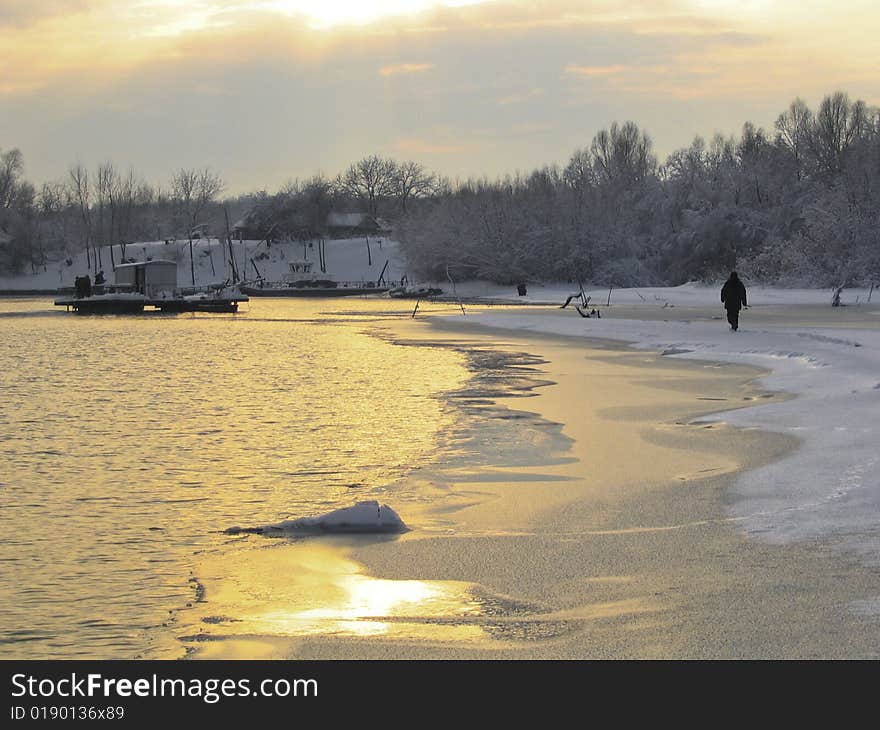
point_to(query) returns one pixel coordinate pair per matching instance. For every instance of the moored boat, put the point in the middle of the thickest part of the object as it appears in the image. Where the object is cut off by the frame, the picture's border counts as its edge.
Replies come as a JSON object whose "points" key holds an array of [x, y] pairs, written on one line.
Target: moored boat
{"points": [[303, 282], [414, 292]]}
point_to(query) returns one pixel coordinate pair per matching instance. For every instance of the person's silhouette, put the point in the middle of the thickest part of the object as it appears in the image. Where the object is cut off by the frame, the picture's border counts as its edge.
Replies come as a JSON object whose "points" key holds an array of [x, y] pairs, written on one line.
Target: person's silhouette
{"points": [[733, 295]]}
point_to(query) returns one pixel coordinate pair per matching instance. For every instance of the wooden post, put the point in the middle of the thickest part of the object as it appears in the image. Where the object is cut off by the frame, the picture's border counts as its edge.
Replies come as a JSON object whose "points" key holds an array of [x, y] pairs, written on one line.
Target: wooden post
{"points": [[382, 274], [231, 253], [369, 256], [454, 292], [192, 266], [211, 256]]}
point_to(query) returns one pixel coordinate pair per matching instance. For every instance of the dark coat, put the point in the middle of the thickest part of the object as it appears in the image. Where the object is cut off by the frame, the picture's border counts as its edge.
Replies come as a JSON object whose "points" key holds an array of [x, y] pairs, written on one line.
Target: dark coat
{"points": [[733, 294]]}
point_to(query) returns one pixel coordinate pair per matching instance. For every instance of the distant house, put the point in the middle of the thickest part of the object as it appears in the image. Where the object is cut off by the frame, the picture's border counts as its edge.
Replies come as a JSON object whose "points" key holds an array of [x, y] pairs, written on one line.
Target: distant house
{"points": [[240, 229], [342, 225], [257, 226]]}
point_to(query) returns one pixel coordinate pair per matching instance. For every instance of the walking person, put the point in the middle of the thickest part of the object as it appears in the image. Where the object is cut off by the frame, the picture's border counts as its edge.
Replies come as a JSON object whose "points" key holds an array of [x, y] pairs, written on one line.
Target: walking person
{"points": [[733, 295]]}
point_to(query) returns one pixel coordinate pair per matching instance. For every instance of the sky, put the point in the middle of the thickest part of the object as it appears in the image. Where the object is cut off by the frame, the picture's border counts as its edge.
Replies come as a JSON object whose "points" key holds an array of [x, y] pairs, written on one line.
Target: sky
{"points": [[271, 90]]}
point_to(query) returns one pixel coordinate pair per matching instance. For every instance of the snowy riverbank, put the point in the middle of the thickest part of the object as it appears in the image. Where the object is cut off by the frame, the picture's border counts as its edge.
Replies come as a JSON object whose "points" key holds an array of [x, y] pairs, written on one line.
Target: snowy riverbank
{"points": [[828, 489], [348, 259]]}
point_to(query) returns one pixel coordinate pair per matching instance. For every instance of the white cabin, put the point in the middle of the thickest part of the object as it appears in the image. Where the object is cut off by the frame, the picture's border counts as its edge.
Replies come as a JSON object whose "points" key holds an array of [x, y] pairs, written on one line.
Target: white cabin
{"points": [[300, 269], [303, 271], [149, 278]]}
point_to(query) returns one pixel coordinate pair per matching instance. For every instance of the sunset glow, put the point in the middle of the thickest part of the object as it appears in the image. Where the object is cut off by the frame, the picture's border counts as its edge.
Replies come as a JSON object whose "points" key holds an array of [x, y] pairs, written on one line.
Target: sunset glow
{"points": [[468, 87], [354, 12]]}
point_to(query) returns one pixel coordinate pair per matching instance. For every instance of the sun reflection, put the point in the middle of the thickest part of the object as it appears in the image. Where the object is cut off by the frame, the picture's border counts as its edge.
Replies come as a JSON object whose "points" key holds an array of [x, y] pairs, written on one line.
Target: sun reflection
{"points": [[314, 589], [367, 601]]}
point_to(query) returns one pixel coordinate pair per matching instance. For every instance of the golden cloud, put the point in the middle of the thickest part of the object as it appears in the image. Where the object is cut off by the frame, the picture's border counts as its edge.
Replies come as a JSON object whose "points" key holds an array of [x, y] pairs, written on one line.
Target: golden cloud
{"points": [[596, 70], [415, 145], [405, 68]]}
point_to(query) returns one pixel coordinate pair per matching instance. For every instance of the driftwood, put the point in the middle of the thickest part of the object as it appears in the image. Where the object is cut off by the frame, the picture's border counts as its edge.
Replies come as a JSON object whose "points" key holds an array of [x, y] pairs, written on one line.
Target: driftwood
{"points": [[580, 294]]}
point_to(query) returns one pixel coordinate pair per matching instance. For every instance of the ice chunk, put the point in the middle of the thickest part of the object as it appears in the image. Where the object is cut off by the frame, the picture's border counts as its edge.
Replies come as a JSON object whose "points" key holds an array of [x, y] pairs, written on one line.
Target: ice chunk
{"points": [[363, 517]]}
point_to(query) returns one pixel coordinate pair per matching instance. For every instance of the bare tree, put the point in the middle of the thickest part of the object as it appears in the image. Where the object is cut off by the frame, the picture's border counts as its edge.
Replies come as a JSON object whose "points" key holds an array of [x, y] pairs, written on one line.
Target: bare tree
{"points": [[836, 125], [81, 192], [623, 154], [793, 132], [370, 180], [192, 191], [411, 180], [579, 174], [11, 168]]}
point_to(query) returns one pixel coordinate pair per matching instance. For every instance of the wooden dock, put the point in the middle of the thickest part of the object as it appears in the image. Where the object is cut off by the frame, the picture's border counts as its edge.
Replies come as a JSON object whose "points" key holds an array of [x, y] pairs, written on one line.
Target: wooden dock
{"points": [[137, 304]]}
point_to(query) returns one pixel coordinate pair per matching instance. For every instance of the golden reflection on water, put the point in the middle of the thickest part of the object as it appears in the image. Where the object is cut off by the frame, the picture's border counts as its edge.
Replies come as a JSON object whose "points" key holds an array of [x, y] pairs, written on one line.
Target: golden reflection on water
{"points": [[128, 444], [316, 589]]}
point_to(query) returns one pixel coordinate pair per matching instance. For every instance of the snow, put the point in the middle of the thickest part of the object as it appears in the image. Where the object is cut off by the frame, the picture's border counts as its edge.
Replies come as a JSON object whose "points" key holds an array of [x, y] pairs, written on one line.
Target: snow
{"points": [[347, 260], [364, 517], [829, 488], [692, 294]]}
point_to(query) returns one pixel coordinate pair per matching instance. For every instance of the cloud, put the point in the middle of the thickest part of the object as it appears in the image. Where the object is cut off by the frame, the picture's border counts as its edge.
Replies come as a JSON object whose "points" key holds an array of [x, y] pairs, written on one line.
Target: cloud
{"points": [[416, 146], [614, 70], [483, 89], [521, 98], [22, 13], [405, 68]]}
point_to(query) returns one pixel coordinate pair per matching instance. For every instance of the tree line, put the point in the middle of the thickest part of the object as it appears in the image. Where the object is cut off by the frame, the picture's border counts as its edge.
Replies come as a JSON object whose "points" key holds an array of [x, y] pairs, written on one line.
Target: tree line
{"points": [[93, 210], [797, 204]]}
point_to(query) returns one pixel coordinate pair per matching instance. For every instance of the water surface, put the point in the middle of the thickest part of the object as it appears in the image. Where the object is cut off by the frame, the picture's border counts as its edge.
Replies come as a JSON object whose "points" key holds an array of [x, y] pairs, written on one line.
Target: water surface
{"points": [[128, 443]]}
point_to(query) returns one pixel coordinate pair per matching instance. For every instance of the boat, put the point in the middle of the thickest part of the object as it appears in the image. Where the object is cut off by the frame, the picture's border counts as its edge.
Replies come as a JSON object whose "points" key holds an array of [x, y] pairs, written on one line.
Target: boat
{"points": [[150, 283], [302, 281], [414, 292]]}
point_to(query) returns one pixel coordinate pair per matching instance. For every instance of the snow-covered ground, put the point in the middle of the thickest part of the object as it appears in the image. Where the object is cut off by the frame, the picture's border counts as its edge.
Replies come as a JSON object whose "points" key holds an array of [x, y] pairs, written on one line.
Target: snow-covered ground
{"points": [[829, 357], [829, 488], [347, 259]]}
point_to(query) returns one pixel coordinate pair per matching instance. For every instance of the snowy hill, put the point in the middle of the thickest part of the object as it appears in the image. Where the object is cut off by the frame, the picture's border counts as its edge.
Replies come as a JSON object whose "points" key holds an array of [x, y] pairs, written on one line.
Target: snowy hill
{"points": [[346, 260]]}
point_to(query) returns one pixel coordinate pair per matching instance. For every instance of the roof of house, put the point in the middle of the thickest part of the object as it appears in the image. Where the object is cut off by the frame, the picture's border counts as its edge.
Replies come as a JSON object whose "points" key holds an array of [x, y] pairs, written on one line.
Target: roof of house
{"points": [[346, 220]]}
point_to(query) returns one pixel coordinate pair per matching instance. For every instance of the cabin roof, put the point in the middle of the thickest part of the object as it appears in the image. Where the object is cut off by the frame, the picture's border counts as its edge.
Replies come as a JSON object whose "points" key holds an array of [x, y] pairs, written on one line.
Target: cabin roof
{"points": [[146, 263]]}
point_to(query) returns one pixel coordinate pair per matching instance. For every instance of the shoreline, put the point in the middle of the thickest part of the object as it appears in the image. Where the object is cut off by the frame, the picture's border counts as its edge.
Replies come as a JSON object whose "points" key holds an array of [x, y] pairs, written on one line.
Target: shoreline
{"points": [[828, 360], [640, 570]]}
